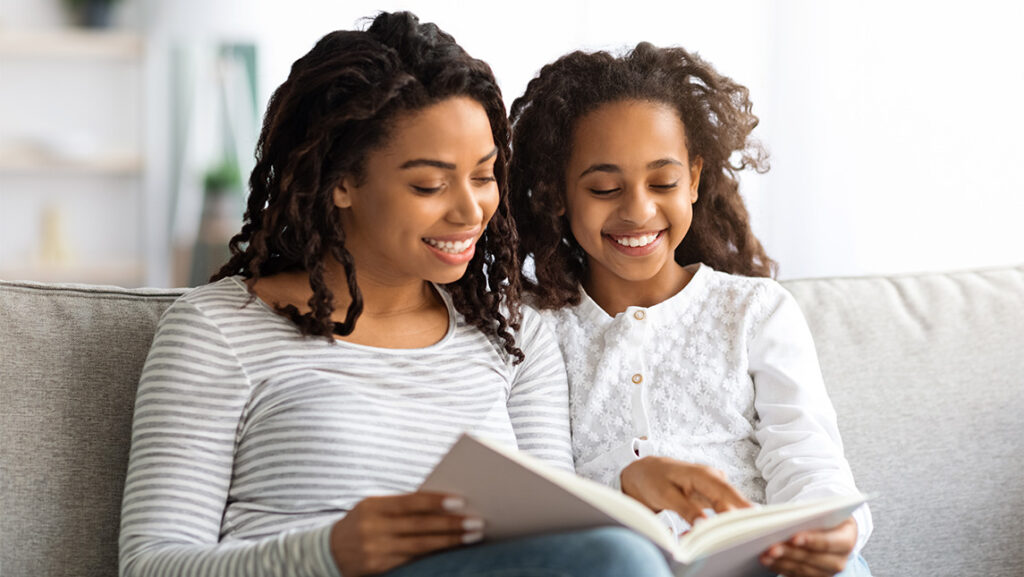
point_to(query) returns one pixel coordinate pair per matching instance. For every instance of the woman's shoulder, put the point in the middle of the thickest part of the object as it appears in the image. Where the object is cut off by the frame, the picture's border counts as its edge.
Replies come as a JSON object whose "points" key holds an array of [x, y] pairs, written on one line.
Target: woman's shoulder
{"points": [[228, 291], [221, 301]]}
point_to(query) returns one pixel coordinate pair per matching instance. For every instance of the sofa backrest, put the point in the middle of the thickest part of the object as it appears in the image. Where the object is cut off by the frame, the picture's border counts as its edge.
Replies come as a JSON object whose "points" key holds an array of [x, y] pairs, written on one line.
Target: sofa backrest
{"points": [[70, 359], [926, 373]]}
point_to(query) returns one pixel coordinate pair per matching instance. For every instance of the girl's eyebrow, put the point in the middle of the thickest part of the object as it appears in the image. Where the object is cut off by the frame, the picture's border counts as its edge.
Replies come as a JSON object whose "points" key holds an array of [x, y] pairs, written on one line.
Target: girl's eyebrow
{"points": [[614, 168], [444, 165], [663, 162]]}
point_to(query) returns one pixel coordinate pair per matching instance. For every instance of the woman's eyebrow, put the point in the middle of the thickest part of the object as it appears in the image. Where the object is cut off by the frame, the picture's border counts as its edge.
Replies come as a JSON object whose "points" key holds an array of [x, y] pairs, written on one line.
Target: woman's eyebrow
{"points": [[427, 162], [441, 164], [488, 156]]}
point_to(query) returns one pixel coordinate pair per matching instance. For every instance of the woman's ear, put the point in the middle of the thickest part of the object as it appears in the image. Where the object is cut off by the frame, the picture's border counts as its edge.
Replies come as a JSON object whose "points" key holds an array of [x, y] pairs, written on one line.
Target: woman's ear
{"points": [[342, 193], [696, 165]]}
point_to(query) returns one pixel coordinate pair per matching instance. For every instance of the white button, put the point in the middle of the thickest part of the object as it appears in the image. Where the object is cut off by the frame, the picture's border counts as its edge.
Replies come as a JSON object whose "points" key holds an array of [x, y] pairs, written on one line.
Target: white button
{"points": [[639, 315], [638, 378]]}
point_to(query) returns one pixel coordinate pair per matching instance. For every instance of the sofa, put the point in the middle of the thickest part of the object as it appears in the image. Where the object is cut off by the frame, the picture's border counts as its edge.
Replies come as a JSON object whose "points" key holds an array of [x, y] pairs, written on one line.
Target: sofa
{"points": [[926, 372]]}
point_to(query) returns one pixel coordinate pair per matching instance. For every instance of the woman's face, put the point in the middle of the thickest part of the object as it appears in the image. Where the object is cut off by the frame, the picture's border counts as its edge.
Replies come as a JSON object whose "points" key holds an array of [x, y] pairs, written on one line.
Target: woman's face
{"points": [[630, 190], [425, 197]]}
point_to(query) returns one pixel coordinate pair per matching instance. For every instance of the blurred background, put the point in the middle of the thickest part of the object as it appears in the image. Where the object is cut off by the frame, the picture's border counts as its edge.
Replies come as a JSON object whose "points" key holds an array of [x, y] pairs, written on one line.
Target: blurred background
{"points": [[127, 127]]}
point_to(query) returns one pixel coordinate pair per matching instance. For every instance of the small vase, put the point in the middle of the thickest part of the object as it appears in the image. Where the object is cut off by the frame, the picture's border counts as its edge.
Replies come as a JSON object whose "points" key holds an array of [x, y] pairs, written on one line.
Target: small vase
{"points": [[95, 14]]}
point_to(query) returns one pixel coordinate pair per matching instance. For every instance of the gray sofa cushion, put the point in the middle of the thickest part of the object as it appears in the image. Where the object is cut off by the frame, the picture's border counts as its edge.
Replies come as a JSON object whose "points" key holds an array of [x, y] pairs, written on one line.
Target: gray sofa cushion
{"points": [[70, 359], [927, 376]]}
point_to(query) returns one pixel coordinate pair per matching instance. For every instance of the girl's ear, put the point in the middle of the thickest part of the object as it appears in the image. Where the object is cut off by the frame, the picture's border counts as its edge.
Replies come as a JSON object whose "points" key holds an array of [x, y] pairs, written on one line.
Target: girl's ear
{"points": [[342, 194], [696, 165]]}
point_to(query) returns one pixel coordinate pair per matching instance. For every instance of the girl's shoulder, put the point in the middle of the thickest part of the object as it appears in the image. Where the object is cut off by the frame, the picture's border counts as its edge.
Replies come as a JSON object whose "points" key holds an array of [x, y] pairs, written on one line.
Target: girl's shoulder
{"points": [[751, 302], [741, 288]]}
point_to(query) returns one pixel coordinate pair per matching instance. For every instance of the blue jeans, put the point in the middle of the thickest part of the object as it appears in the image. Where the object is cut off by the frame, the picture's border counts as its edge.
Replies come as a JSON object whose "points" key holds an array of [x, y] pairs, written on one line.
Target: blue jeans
{"points": [[605, 552], [856, 566]]}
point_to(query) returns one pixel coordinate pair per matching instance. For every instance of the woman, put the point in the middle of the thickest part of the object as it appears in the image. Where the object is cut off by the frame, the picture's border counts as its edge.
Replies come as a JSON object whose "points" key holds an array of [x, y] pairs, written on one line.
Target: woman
{"points": [[288, 411]]}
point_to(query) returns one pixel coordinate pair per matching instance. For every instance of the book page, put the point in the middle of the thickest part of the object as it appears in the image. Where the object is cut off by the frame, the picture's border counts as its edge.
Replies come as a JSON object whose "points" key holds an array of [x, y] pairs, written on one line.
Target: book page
{"points": [[517, 495], [732, 546]]}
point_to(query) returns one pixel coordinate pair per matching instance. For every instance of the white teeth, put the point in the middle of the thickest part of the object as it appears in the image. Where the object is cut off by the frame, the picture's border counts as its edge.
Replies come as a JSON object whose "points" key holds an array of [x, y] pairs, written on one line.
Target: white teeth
{"points": [[634, 241], [451, 247]]}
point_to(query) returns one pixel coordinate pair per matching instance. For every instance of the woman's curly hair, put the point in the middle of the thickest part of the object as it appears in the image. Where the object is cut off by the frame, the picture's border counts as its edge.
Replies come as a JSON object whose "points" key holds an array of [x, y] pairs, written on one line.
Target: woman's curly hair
{"points": [[716, 115], [339, 103]]}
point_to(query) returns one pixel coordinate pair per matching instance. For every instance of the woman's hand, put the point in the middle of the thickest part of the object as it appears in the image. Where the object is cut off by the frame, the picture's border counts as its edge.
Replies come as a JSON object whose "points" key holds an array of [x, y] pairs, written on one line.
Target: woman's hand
{"points": [[813, 553], [381, 533], [663, 483]]}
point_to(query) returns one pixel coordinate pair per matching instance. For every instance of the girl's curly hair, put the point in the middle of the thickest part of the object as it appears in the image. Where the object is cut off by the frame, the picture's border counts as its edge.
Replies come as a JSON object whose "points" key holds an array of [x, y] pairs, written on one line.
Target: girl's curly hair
{"points": [[716, 115], [339, 103]]}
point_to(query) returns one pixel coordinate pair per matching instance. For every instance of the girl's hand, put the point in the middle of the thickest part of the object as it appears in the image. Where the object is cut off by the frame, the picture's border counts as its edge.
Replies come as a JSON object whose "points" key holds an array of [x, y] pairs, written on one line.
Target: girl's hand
{"points": [[381, 533], [663, 483], [813, 553]]}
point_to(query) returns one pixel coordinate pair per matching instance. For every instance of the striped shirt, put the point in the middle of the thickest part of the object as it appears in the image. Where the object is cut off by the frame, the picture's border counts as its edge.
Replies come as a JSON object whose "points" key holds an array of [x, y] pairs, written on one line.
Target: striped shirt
{"points": [[250, 440]]}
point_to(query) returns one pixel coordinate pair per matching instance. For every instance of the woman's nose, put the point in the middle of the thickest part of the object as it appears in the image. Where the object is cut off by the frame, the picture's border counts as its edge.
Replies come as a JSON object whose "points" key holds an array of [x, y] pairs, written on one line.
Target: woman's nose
{"points": [[465, 207]]}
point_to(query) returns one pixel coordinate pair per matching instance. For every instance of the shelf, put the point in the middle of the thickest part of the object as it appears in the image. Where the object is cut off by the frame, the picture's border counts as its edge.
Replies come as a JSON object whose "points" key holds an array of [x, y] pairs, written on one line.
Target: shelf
{"points": [[122, 273], [72, 44], [37, 163]]}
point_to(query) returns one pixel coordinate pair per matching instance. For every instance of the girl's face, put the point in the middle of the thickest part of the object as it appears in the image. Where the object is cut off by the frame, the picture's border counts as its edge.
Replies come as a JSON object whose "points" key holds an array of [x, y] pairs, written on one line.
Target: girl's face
{"points": [[630, 190], [425, 197]]}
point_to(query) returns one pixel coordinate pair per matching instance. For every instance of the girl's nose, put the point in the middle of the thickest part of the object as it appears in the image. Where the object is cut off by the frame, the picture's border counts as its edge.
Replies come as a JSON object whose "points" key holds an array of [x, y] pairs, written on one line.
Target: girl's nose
{"points": [[637, 206]]}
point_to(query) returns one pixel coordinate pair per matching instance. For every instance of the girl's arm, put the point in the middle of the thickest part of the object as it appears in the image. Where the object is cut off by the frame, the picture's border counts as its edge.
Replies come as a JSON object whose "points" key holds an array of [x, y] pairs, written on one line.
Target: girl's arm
{"points": [[538, 403], [801, 452], [189, 404]]}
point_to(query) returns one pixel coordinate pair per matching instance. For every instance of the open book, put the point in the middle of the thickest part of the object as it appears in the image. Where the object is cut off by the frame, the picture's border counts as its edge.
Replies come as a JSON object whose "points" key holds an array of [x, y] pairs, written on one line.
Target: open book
{"points": [[517, 495]]}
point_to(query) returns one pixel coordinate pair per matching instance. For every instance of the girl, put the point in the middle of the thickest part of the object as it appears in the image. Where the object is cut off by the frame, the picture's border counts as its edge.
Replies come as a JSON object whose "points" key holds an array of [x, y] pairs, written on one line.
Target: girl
{"points": [[686, 365], [288, 411]]}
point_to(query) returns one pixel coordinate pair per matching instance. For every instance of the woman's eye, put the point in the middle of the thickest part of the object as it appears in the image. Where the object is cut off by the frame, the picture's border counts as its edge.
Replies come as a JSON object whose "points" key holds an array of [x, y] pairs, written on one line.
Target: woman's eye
{"points": [[484, 179], [604, 191], [665, 186], [427, 189]]}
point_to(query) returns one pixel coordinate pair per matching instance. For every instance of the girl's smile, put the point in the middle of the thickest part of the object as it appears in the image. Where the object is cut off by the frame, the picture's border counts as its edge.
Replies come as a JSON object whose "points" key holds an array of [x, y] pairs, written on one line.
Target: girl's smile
{"points": [[637, 244]]}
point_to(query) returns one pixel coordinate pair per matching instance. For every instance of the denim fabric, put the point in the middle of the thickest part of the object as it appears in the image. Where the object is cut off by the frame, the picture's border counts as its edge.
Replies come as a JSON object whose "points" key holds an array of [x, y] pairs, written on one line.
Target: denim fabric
{"points": [[856, 566], [605, 552]]}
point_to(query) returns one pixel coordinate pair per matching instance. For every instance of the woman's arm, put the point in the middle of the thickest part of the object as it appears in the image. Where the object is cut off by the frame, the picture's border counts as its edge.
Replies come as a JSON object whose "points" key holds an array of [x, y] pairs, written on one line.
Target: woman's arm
{"points": [[538, 403], [189, 404]]}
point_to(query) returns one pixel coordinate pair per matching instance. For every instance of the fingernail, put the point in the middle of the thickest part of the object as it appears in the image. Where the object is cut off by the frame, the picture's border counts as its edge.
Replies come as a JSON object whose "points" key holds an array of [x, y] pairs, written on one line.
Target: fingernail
{"points": [[473, 537], [473, 524], [799, 540], [453, 503]]}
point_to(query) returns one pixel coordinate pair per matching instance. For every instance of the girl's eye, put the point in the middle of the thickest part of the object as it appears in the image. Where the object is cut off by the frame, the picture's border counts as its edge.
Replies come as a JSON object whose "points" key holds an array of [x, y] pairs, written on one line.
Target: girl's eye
{"points": [[603, 192], [427, 190], [484, 179], [665, 186]]}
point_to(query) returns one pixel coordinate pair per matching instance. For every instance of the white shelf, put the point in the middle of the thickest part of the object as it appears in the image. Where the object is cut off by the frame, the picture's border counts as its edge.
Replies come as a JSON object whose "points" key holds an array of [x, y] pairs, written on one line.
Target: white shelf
{"points": [[23, 161], [122, 273], [72, 44]]}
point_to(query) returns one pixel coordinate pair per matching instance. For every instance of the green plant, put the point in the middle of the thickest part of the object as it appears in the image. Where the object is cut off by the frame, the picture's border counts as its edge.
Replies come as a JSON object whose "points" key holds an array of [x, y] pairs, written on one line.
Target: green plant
{"points": [[223, 177]]}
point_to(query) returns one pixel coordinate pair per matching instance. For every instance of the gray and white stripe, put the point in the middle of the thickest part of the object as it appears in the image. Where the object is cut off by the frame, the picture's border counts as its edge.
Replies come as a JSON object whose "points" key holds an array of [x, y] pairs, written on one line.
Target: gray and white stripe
{"points": [[249, 440]]}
